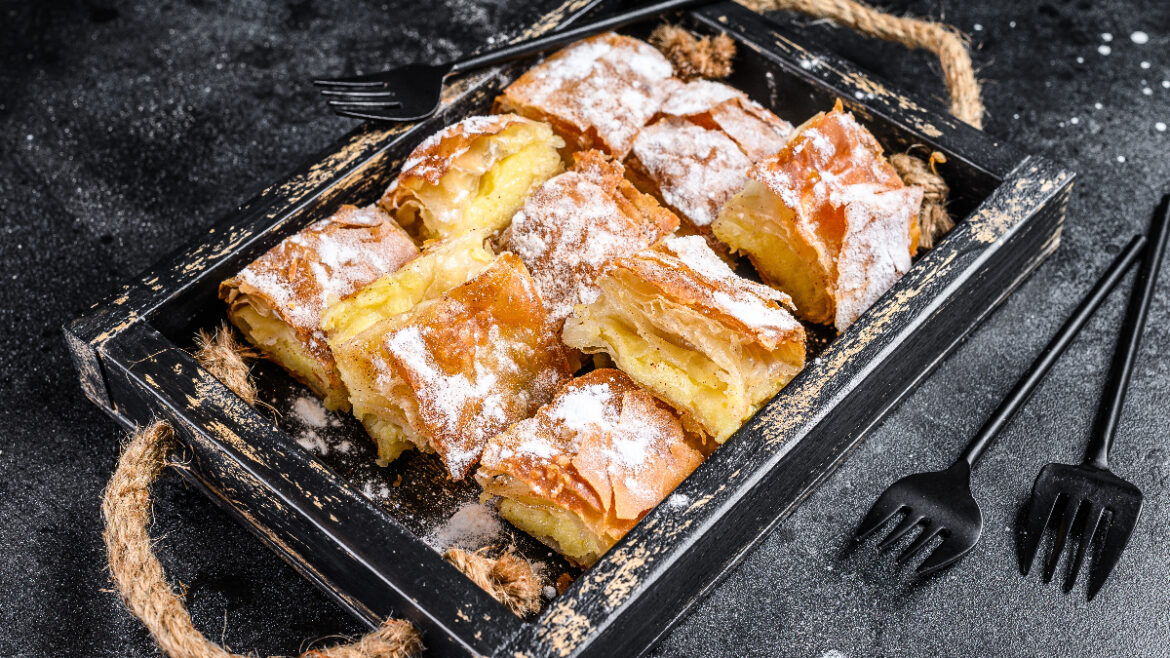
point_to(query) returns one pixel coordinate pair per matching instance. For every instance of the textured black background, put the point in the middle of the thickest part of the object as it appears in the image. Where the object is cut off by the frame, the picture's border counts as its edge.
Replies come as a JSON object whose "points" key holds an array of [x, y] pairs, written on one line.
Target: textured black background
{"points": [[127, 128]]}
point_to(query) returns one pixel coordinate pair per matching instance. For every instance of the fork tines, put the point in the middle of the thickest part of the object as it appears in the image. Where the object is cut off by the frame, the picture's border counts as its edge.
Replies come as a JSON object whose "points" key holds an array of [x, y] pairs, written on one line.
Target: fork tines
{"points": [[938, 502], [1089, 505]]}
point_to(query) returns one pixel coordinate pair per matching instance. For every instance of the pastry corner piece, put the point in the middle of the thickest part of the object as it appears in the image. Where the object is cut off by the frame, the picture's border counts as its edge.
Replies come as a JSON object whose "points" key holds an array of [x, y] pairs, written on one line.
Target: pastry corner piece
{"points": [[596, 93], [277, 301], [455, 370], [675, 317], [472, 175], [827, 220], [591, 463], [576, 222]]}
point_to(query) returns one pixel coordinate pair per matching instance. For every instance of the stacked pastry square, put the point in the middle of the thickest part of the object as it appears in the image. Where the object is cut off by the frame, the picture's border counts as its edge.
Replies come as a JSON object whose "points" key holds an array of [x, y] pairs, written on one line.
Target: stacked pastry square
{"points": [[600, 211]]}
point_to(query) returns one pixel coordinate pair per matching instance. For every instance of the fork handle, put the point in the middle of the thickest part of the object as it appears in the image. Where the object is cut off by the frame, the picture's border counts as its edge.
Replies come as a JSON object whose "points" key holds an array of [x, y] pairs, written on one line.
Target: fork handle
{"points": [[1068, 331], [1113, 399], [560, 38]]}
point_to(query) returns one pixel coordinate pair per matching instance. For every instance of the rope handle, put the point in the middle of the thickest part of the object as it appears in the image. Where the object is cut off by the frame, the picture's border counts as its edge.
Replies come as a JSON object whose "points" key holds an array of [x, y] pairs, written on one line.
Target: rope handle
{"points": [[946, 42], [142, 583]]}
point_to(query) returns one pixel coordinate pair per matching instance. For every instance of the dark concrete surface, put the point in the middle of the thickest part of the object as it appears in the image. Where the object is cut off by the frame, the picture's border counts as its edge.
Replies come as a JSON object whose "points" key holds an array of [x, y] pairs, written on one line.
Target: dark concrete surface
{"points": [[127, 128]]}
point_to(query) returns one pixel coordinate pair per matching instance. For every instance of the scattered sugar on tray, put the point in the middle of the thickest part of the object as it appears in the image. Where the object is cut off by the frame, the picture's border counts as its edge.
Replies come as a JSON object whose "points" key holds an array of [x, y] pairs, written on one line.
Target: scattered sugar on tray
{"points": [[1160, 126], [1106, 37], [1139, 37], [1104, 49], [375, 491], [311, 441], [473, 526], [1144, 65], [678, 501], [310, 412]]}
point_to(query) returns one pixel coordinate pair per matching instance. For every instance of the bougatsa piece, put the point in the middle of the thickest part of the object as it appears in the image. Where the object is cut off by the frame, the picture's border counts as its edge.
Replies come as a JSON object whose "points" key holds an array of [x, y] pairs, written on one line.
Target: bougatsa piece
{"points": [[827, 219], [695, 155], [453, 371], [352, 324], [576, 222], [591, 463], [278, 299], [596, 93], [714, 345], [472, 175]]}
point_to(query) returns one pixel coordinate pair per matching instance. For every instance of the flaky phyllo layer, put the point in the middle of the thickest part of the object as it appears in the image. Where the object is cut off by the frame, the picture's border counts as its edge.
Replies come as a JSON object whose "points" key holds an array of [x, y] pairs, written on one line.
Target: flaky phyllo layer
{"points": [[277, 301], [472, 175], [588, 465], [682, 324], [352, 326], [456, 369], [826, 219]]}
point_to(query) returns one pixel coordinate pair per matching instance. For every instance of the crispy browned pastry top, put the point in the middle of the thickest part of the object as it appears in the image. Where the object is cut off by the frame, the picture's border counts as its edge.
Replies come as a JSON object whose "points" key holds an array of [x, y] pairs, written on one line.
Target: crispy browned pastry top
{"points": [[323, 263], [604, 447], [828, 154], [477, 359], [716, 106], [686, 271], [576, 222], [597, 92]]}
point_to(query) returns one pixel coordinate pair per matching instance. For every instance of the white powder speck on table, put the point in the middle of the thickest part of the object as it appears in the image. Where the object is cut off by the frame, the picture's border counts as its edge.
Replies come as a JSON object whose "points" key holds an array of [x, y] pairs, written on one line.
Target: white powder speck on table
{"points": [[472, 527], [1104, 49], [1144, 65], [310, 412], [1106, 37], [677, 501], [1160, 126], [1139, 37]]}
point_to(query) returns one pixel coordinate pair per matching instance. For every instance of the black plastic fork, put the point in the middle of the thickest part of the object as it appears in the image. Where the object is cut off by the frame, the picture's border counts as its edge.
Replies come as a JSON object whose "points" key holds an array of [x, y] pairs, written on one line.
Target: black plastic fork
{"points": [[941, 501], [414, 91], [1108, 506]]}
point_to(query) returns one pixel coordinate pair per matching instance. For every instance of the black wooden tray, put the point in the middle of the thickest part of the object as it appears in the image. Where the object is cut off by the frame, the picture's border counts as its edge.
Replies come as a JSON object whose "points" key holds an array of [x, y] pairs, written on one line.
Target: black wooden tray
{"points": [[368, 550]]}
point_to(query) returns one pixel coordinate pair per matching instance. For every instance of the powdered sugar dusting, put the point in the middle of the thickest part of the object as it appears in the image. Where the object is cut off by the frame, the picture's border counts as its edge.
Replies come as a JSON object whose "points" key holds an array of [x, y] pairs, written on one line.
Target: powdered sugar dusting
{"points": [[696, 170], [327, 261], [473, 526], [875, 251], [608, 83], [565, 232], [697, 97], [755, 305]]}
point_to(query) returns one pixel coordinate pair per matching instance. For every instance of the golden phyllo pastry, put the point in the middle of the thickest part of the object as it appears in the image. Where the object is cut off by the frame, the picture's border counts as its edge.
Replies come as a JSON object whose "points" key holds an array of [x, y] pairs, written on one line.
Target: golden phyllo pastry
{"points": [[695, 156], [442, 265], [472, 175], [277, 301], [591, 463], [827, 219], [682, 324], [453, 371], [576, 222], [596, 93]]}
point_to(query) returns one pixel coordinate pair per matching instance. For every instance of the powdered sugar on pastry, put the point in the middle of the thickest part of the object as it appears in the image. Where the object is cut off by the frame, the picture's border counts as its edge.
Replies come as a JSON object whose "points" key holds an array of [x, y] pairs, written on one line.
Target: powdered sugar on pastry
{"points": [[604, 89], [575, 223], [327, 261], [696, 170], [755, 305], [873, 254]]}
